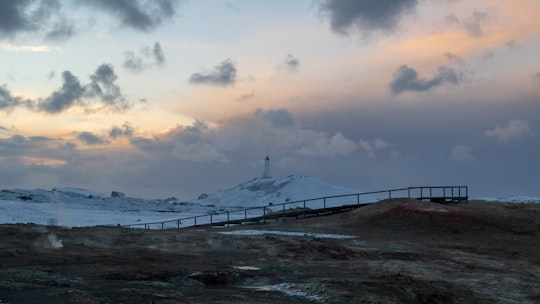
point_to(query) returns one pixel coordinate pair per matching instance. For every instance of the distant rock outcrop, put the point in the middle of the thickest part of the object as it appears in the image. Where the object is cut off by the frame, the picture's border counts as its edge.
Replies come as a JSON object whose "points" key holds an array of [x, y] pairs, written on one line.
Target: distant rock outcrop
{"points": [[203, 196], [117, 194]]}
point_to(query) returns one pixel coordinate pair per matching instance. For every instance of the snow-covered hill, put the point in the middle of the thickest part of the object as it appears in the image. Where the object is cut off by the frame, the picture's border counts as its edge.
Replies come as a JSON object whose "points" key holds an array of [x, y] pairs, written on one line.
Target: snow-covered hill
{"points": [[262, 191], [80, 207]]}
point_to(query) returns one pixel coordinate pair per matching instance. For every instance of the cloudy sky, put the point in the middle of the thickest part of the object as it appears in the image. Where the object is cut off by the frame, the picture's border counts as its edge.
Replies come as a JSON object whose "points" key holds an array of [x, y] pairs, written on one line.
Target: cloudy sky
{"points": [[176, 98]]}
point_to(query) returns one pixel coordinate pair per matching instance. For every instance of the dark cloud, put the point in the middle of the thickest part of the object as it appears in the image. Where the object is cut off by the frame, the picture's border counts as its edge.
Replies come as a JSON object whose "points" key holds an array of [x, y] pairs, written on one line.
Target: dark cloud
{"points": [[277, 117], [67, 96], [103, 86], [138, 14], [47, 18], [9, 102], [366, 15], [291, 63], [125, 130], [222, 75], [144, 59], [13, 18], [72, 93], [34, 16], [60, 32], [407, 79], [91, 139]]}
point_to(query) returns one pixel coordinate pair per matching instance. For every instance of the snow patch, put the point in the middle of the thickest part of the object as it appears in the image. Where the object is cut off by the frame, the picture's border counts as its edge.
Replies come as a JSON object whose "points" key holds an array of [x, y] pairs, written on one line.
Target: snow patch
{"points": [[513, 199]]}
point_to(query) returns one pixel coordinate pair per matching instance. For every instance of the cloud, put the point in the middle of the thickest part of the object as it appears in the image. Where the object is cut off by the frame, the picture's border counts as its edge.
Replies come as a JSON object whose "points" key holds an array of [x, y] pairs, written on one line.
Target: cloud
{"points": [[277, 118], [453, 58], [139, 15], [34, 16], [198, 152], [103, 87], [475, 24], [488, 54], [33, 150], [366, 15], [48, 19], [461, 154], [536, 78], [407, 79], [146, 58], [27, 48], [371, 147], [68, 95], [512, 44], [223, 74], [290, 64], [337, 145], [9, 102], [91, 139], [246, 96], [513, 130], [126, 130]]}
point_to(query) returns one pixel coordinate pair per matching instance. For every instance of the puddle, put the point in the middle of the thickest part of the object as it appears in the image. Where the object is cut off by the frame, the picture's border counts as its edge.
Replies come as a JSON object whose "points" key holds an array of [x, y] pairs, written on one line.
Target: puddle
{"points": [[241, 268], [289, 289]]}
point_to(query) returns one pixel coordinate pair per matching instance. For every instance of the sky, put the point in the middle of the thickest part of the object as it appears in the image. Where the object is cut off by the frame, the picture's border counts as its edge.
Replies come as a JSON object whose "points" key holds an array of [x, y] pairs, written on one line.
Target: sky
{"points": [[177, 98]]}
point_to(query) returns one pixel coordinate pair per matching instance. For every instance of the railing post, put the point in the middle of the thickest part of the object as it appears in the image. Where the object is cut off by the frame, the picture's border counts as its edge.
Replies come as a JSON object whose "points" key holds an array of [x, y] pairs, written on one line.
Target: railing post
{"points": [[324, 203], [227, 218], [283, 215], [409, 192], [358, 199], [389, 193], [162, 223], [178, 224], [195, 221], [211, 221]]}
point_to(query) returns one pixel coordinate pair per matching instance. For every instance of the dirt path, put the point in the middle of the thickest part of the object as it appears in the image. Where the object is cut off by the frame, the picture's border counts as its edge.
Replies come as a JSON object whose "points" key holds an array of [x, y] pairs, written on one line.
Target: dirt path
{"points": [[400, 252]]}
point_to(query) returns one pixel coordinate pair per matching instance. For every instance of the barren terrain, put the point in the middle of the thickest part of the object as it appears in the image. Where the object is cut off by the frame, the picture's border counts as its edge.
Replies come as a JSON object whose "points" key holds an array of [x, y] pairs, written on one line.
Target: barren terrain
{"points": [[400, 251]]}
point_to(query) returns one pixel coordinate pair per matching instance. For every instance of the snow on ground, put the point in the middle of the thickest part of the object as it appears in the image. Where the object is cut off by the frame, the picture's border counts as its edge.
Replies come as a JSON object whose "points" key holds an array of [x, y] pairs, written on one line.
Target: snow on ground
{"points": [[514, 199], [262, 191], [75, 207]]}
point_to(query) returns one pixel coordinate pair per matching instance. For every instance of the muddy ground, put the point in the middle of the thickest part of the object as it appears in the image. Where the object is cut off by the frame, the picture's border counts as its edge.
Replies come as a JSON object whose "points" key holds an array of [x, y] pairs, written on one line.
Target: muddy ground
{"points": [[402, 251]]}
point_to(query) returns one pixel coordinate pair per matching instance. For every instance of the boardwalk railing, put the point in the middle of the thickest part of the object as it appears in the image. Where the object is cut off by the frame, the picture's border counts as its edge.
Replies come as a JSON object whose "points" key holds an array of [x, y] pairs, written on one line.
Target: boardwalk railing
{"points": [[440, 194]]}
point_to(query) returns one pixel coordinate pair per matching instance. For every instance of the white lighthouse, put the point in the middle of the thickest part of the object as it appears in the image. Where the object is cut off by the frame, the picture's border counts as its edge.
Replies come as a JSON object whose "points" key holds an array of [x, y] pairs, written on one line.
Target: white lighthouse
{"points": [[266, 173]]}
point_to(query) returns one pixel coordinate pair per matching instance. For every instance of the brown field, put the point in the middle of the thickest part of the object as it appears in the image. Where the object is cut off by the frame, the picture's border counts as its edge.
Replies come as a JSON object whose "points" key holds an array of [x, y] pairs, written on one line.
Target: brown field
{"points": [[403, 251]]}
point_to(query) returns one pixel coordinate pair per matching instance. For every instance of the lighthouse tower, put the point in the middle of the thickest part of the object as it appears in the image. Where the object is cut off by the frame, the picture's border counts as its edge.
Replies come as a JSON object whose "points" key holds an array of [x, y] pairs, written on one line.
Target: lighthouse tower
{"points": [[266, 173]]}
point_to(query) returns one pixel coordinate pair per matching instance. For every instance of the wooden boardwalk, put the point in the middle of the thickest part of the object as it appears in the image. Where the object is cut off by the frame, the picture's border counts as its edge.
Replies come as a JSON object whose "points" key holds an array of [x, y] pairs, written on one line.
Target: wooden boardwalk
{"points": [[309, 208]]}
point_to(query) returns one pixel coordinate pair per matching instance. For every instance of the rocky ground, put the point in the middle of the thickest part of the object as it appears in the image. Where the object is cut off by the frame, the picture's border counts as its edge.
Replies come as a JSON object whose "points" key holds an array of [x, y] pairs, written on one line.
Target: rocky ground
{"points": [[401, 251]]}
